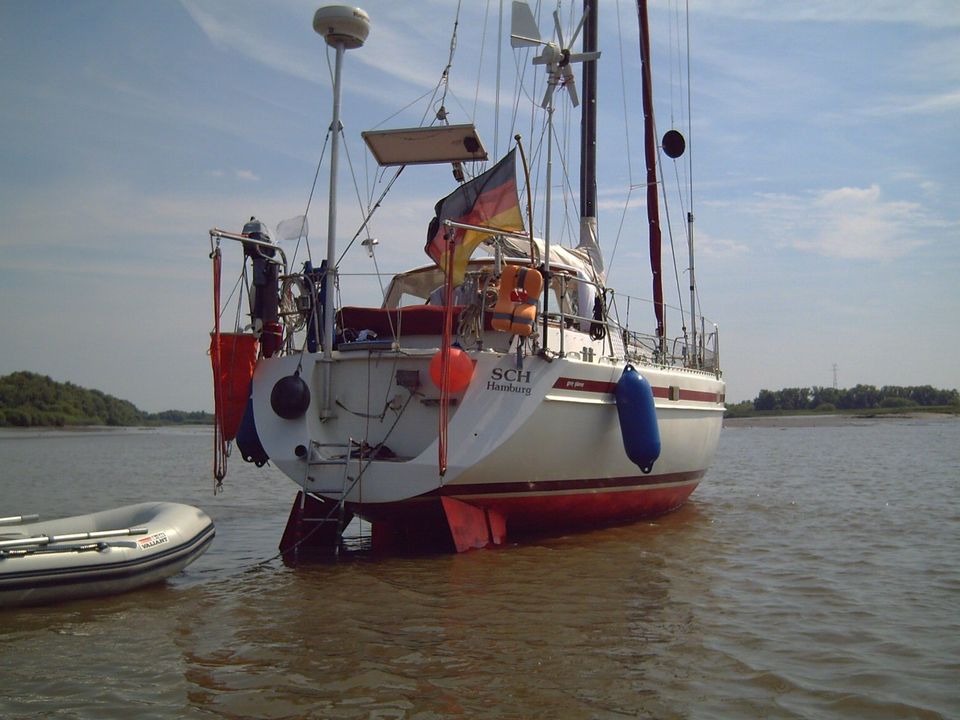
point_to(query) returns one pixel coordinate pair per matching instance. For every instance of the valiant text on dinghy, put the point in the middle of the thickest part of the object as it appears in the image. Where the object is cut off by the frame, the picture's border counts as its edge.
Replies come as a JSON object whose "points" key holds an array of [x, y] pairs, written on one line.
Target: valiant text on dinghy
{"points": [[484, 397]]}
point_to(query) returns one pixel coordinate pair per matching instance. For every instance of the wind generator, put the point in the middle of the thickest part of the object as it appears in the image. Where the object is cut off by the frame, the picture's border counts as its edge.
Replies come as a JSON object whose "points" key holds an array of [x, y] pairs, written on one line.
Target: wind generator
{"points": [[558, 59]]}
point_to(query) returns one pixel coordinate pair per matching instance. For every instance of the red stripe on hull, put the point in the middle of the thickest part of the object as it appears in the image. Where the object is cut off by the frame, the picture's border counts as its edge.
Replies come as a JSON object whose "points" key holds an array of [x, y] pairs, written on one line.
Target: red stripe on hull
{"points": [[608, 388], [594, 386], [696, 395]]}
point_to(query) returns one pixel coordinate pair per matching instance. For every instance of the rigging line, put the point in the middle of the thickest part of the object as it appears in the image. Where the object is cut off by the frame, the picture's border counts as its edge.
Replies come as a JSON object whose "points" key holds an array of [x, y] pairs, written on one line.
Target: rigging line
{"points": [[623, 97], [519, 74], [567, 188], [445, 76], [404, 108], [679, 60], [369, 215], [689, 115], [353, 176], [383, 290], [536, 158], [226, 302], [623, 215], [313, 188], [496, 105], [671, 39], [673, 249], [242, 283], [483, 44]]}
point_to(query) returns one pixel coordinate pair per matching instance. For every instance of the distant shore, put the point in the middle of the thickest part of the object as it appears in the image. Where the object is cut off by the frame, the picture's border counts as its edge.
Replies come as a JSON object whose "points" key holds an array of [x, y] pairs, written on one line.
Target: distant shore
{"points": [[833, 420]]}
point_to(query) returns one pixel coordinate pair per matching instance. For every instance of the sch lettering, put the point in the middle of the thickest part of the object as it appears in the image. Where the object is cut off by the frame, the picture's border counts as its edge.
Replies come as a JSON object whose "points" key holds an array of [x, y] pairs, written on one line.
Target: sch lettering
{"points": [[511, 375]]}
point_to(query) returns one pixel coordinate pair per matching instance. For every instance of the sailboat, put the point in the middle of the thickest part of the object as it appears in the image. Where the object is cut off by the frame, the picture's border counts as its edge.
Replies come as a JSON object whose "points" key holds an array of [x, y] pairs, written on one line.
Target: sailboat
{"points": [[484, 398]]}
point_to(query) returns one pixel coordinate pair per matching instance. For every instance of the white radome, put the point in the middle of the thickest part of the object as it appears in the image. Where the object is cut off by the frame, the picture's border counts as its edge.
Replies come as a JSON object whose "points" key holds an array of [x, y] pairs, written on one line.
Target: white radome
{"points": [[342, 25]]}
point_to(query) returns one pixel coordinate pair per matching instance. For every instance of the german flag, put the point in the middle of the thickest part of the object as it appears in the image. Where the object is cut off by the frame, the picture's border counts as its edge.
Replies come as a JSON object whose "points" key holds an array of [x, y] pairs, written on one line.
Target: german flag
{"points": [[489, 200]]}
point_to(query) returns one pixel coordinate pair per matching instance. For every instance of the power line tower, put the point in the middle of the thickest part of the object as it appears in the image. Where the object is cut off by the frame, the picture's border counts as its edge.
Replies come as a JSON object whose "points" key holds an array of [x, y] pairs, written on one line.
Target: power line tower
{"points": [[835, 368]]}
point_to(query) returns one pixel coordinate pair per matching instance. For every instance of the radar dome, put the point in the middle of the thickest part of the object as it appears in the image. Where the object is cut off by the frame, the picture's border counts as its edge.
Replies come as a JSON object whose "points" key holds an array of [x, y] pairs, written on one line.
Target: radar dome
{"points": [[342, 25]]}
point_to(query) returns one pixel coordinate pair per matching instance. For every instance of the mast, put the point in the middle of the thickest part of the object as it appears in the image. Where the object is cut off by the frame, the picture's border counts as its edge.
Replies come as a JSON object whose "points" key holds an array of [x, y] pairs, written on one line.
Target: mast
{"points": [[650, 153], [588, 117]]}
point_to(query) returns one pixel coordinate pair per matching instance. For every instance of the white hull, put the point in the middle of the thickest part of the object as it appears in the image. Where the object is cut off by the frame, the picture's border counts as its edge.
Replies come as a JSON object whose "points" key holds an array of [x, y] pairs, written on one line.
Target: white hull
{"points": [[168, 537], [540, 447]]}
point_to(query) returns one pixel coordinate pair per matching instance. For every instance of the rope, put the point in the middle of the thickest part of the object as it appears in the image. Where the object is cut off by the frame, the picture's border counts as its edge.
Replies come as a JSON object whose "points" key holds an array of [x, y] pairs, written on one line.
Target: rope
{"points": [[445, 357], [220, 446]]}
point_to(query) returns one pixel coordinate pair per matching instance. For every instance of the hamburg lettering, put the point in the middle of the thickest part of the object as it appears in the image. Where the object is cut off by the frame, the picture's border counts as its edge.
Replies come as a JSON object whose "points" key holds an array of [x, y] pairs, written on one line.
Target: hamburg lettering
{"points": [[509, 380]]}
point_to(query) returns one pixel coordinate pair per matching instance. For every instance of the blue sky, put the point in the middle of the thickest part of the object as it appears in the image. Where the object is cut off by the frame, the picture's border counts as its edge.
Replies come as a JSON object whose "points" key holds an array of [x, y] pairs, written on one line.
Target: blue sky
{"points": [[826, 141]]}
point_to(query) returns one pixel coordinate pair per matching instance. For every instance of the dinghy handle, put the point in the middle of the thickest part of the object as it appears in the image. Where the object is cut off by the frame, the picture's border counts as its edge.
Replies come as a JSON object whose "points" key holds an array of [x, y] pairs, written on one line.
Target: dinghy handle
{"points": [[71, 537]]}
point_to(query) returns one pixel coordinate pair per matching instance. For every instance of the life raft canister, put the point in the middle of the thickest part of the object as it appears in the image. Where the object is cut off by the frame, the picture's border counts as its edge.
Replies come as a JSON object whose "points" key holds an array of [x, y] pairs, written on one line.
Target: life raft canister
{"points": [[638, 419], [516, 308]]}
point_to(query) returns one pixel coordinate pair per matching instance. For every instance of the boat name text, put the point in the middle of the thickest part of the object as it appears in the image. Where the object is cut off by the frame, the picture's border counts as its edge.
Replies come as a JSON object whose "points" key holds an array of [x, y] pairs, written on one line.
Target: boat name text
{"points": [[509, 380]]}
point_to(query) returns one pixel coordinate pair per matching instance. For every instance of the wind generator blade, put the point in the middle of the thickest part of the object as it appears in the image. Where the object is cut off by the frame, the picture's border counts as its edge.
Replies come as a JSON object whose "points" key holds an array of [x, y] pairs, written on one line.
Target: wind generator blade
{"points": [[570, 83], [583, 57], [576, 33], [556, 24], [523, 28]]}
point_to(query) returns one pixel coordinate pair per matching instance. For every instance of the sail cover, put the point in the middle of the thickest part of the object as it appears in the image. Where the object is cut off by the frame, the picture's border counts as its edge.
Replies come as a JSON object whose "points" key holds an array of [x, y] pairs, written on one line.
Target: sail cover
{"points": [[489, 200]]}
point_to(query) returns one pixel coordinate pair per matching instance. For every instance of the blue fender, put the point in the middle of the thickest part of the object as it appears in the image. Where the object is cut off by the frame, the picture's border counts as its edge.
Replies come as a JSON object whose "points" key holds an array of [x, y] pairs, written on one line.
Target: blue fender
{"points": [[248, 442], [638, 419]]}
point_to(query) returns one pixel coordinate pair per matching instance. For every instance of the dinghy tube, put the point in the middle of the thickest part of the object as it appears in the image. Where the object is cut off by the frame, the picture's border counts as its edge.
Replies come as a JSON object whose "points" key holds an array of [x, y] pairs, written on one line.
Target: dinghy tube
{"points": [[638, 419]]}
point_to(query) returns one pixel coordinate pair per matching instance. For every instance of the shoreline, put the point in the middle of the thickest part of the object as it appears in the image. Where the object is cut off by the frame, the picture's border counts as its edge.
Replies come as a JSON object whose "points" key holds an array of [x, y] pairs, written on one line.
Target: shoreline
{"points": [[831, 420]]}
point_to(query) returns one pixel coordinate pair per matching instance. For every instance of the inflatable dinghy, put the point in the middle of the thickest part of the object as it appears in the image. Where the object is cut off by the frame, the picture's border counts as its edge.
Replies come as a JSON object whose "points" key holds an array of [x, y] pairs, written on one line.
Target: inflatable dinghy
{"points": [[102, 553]]}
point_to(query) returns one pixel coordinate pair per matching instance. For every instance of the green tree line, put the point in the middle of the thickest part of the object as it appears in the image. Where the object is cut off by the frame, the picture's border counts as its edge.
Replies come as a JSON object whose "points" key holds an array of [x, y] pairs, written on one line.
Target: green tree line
{"points": [[31, 400], [859, 397]]}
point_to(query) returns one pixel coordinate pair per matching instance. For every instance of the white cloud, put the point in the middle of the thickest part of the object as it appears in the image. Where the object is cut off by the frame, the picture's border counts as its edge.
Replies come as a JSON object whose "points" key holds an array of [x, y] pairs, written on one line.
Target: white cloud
{"points": [[848, 222], [712, 246], [927, 13], [947, 102], [400, 48], [239, 31]]}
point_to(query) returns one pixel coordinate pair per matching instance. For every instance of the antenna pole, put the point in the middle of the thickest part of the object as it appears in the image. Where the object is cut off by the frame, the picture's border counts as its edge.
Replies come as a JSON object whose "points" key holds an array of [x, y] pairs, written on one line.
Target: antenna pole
{"points": [[546, 223], [331, 278], [693, 293]]}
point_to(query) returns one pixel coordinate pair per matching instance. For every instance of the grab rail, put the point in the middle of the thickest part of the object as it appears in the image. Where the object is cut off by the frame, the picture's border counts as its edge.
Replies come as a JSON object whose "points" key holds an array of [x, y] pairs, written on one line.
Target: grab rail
{"points": [[71, 537]]}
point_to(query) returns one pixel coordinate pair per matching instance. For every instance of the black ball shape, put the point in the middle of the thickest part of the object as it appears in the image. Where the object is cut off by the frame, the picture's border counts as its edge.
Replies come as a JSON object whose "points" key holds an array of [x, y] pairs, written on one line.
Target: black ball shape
{"points": [[673, 144], [290, 397]]}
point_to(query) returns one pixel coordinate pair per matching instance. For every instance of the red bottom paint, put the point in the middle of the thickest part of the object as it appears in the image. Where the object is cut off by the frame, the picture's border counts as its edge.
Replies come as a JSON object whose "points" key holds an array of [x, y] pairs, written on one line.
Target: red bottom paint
{"points": [[460, 518]]}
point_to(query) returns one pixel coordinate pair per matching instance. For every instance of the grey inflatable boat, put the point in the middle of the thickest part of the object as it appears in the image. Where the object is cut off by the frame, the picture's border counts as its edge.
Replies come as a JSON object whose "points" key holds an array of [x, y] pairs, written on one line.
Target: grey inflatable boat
{"points": [[102, 553]]}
